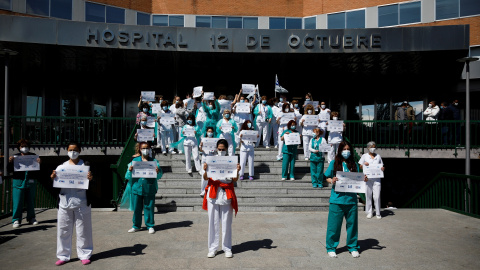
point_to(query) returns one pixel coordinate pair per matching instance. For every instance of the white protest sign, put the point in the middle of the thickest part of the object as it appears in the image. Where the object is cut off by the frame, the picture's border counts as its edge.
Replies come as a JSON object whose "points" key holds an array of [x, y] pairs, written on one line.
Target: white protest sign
{"points": [[208, 95], [313, 103], [190, 102], [197, 91], [145, 135], [167, 118], [324, 147], [350, 182], [335, 125], [144, 169], [148, 95], [324, 116], [292, 138], [286, 117], [249, 135], [221, 167], [26, 163], [156, 108], [71, 176], [311, 120], [242, 107], [248, 89], [209, 144], [226, 127], [189, 131], [224, 105], [151, 121], [373, 171]]}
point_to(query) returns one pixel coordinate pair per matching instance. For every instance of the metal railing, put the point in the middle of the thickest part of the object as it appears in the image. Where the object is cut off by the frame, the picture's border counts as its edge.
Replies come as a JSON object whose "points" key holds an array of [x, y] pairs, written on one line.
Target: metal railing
{"points": [[120, 168], [57, 130], [411, 134], [43, 197], [448, 190]]}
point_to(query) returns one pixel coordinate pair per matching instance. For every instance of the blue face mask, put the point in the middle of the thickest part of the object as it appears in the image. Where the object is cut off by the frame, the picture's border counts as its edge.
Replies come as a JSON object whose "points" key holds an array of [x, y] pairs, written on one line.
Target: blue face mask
{"points": [[227, 115], [296, 105], [249, 125], [165, 108], [264, 102], [210, 134], [145, 110], [346, 154], [281, 99], [307, 99], [292, 127], [242, 101], [143, 123], [189, 122]]}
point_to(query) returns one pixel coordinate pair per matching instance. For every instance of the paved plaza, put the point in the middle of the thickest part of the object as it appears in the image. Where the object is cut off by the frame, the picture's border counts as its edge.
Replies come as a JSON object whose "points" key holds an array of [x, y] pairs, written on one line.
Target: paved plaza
{"points": [[402, 239]]}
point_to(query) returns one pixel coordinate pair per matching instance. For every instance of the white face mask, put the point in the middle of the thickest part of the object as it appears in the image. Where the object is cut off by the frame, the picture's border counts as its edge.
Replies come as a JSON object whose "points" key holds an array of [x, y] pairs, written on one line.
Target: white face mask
{"points": [[287, 110], [309, 111], [372, 150], [429, 105], [335, 118], [24, 150], [73, 154], [145, 152], [323, 106], [222, 153], [210, 106]]}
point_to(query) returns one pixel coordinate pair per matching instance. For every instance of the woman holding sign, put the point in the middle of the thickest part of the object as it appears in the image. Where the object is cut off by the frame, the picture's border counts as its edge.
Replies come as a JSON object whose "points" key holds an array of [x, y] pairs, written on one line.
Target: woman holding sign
{"points": [[373, 184], [308, 127], [220, 201], [263, 116], [334, 138], [73, 210], [210, 135], [282, 126], [143, 189], [229, 135], [342, 204], [289, 152], [242, 111], [24, 183], [246, 151], [190, 132], [317, 160], [212, 112], [165, 131]]}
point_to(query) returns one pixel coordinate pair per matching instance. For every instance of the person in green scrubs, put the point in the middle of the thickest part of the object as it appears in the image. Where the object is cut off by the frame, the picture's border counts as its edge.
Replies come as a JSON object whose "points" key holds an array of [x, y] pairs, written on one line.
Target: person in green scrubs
{"points": [[317, 160], [342, 204], [24, 186], [143, 190], [289, 153]]}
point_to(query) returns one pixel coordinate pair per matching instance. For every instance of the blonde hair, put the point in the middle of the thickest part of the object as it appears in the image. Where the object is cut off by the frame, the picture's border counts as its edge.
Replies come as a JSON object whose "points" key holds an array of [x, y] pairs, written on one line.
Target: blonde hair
{"points": [[319, 129]]}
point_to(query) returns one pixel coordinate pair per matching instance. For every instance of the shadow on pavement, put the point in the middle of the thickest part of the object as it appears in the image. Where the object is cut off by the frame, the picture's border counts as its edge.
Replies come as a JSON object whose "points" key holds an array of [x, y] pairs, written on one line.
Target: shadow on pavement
{"points": [[47, 221], [135, 250], [4, 239], [30, 228], [365, 244], [385, 213], [173, 225], [253, 245]]}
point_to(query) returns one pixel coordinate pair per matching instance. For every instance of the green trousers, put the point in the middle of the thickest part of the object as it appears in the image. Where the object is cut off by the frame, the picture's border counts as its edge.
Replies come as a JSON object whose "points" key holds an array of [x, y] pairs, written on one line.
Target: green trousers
{"points": [[336, 213], [288, 163], [21, 195], [316, 170], [147, 204]]}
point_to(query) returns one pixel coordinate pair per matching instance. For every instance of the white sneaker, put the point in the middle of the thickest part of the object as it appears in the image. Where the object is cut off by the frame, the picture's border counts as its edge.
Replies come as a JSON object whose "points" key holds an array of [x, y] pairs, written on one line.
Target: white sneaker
{"points": [[369, 215], [278, 159], [267, 146], [180, 153], [211, 254], [16, 224], [379, 217], [332, 254], [228, 254], [355, 254], [306, 158], [33, 221], [189, 171], [292, 179], [283, 179], [276, 146], [132, 230], [151, 231], [164, 152]]}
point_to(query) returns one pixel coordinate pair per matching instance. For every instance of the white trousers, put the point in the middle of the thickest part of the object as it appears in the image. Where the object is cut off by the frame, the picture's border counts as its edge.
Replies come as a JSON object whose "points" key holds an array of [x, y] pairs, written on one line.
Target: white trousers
{"points": [[230, 149], [203, 183], [81, 218], [244, 155], [237, 134], [263, 130], [217, 213], [306, 146], [164, 139], [333, 152], [189, 150], [373, 186], [281, 129], [274, 133]]}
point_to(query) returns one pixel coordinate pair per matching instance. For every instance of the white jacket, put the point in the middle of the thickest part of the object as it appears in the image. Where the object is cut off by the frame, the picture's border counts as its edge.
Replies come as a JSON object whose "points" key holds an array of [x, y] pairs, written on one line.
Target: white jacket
{"points": [[431, 113]]}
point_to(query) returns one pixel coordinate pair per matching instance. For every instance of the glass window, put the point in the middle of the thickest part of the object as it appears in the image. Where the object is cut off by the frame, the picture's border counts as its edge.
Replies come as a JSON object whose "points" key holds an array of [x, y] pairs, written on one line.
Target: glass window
{"points": [[34, 106], [310, 23], [175, 21], [446, 9], [388, 15], [203, 21], [469, 7], [410, 12], [143, 18], [68, 104], [293, 23], [250, 23], [115, 15], [160, 20], [234, 22], [6, 4], [277, 23], [356, 19], [219, 22], [94, 12], [38, 7], [61, 9], [336, 21]]}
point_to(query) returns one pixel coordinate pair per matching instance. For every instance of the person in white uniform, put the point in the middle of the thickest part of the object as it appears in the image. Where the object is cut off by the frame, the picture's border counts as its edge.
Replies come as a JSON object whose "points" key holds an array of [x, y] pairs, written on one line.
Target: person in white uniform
{"points": [[334, 138], [273, 102], [298, 114], [190, 144], [220, 201], [164, 132], [324, 112], [282, 127], [373, 184], [229, 136], [263, 117], [209, 134], [307, 131], [246, 151], [73, 210], [241, 117]]}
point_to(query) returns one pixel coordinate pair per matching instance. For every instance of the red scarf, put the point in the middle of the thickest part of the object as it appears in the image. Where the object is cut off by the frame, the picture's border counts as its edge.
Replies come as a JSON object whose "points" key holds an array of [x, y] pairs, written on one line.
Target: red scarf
{"points": [[229, 189]]}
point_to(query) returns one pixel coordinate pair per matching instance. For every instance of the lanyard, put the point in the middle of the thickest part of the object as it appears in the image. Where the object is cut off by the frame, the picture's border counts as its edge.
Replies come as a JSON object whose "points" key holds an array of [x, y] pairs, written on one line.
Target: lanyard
{"points": [[315, 145]]}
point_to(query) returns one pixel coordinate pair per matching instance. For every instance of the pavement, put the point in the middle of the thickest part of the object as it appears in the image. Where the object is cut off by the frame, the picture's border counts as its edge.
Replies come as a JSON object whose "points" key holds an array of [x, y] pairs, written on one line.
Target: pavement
{"points": [[402, 239]]}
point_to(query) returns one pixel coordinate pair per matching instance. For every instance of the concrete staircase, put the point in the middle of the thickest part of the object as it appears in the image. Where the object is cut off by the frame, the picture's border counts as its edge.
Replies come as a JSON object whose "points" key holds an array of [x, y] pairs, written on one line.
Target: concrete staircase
{"points": [[180, 191]]}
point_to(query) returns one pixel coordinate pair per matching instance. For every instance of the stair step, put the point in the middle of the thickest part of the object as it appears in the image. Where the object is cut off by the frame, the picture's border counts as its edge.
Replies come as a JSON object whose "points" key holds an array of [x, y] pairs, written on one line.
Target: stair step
{"points": [[195, 175], [250, 207]]}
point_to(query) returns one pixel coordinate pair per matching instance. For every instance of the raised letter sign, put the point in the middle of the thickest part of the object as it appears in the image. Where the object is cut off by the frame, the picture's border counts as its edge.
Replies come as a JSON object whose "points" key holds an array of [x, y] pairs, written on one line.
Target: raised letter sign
{"points": [[376, 41], [293, 41], [251, 41], [108, 35], [92, 34], [265, 41]]}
